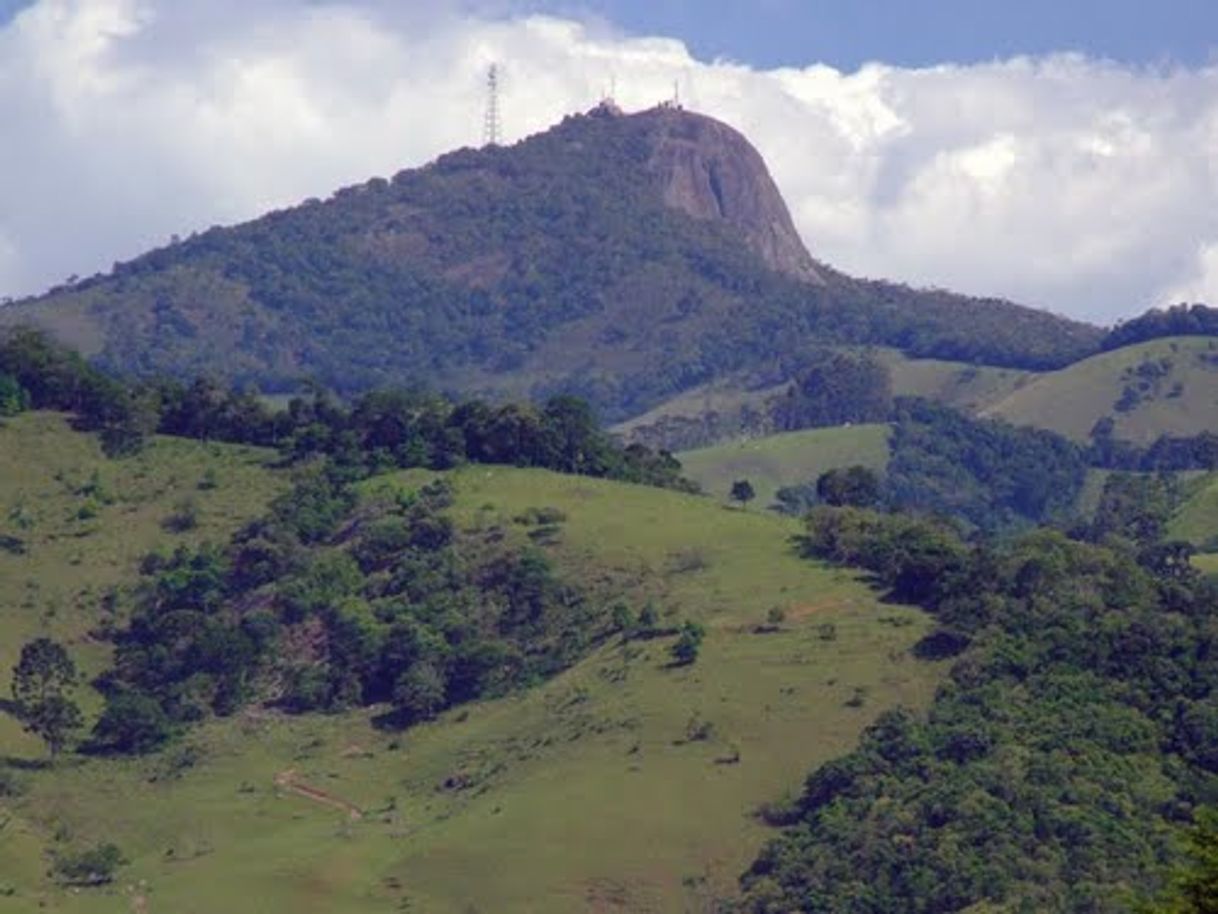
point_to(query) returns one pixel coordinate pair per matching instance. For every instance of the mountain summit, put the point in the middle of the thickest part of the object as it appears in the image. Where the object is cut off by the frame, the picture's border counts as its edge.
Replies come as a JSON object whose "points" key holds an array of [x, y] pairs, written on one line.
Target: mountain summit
{"points": [[625, 258]]}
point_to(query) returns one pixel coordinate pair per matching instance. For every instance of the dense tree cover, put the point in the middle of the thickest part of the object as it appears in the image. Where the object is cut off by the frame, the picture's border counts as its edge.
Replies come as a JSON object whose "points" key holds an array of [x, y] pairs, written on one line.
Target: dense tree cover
{"points": [[838, 389], [990, 474], [378, 431], [1166, 453], [326, 604], [1178, 320], [478, 269], [1134, 507], [854, 486], [1195, 886], [1079, 723]]}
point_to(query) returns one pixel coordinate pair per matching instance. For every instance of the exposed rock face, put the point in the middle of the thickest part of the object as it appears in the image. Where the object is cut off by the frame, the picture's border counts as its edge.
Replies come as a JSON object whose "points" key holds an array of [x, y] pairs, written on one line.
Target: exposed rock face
{"points": [[710, 171]]}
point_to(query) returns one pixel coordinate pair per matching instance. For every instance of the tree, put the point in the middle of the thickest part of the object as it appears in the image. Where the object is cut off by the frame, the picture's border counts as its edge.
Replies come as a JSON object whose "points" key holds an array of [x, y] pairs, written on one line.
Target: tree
{"points": [[742, 491], [13, 398], [41, 680], [131, 723], [856, 487], [689, 642], [420, 692]]}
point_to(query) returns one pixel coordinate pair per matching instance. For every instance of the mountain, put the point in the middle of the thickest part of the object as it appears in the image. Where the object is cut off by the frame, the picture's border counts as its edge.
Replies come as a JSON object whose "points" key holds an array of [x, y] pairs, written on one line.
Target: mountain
{"points": [[626, 258]]}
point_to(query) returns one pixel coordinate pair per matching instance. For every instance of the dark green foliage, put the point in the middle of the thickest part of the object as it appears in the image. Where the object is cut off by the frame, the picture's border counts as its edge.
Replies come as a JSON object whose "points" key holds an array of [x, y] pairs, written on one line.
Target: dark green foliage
{"points": [[92, 867], [988, 473], [13, 397], [796, 500], [420, 692], [131, 723], [1076, 725], [1195, 889], [1179, 320], [742, 491], [689, 642], [855, 486], [837, 389], [488, 262], [326, 604], [1134, 507], [42, 681]]}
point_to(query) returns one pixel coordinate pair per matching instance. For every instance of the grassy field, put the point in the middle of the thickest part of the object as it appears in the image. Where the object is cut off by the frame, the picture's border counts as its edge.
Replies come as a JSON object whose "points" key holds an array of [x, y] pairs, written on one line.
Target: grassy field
{"points": [[783, 460], [1181, 396], [621, 785]]}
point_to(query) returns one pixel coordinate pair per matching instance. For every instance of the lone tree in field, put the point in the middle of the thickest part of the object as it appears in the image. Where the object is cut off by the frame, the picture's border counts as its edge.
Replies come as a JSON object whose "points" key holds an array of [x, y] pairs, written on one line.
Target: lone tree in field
{"points": [[685, 649], [742, 492], [41, 681]]}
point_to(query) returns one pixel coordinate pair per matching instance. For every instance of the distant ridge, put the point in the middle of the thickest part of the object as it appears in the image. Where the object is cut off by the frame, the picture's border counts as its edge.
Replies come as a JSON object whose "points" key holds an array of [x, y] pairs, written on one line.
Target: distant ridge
{"points": [[626, 258]]}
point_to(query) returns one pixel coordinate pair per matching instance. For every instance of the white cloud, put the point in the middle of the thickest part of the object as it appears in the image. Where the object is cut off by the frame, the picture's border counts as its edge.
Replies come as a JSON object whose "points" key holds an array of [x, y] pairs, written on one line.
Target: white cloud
{"points": [[1073, 184]]}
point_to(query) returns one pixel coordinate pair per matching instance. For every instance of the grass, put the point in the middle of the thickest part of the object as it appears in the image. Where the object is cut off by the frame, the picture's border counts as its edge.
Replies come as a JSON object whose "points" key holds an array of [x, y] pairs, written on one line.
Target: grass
{"points": [[583, 794], [1182, 402], [86, 521], [787, 459]]}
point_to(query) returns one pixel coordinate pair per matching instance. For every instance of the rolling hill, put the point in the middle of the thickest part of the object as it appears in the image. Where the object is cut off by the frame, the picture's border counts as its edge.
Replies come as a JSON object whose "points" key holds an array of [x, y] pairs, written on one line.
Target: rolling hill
{"points": [[626, 258], [1165, 386], [620, 785]]}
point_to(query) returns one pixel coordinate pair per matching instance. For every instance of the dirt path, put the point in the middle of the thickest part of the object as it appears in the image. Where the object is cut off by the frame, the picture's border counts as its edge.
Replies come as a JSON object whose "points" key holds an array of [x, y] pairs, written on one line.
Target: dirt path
{"points": [[288, 781]]}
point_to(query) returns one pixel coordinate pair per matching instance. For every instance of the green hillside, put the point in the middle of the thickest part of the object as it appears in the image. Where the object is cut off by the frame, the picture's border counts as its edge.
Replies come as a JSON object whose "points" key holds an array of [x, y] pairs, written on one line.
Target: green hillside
{"points": [[621, 785], [1161, 387], [592, 259], [787, 459], [84, 523]]}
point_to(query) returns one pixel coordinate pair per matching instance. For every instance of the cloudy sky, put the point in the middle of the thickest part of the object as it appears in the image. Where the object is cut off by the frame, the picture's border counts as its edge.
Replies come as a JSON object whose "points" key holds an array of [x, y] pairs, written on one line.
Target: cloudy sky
{"points": [[1063, 158]]}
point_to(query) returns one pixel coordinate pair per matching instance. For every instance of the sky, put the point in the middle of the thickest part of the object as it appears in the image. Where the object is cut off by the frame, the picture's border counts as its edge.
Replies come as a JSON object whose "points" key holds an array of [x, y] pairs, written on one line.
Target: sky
{"points": [[1064, 155]]}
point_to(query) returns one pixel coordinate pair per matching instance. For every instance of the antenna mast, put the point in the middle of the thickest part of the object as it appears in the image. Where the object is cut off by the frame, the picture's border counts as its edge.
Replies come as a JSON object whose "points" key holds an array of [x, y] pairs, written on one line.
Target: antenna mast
{"points": [[491, 127]]}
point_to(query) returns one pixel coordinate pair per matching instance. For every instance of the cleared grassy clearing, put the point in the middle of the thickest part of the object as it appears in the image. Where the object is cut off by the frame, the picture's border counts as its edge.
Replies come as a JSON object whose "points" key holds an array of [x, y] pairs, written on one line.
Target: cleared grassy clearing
{"points": [[788, 459]]}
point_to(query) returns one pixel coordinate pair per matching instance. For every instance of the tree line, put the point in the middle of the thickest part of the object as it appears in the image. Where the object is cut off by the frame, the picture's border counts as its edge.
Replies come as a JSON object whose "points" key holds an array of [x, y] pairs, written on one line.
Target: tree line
{"points": [[379, 430]]}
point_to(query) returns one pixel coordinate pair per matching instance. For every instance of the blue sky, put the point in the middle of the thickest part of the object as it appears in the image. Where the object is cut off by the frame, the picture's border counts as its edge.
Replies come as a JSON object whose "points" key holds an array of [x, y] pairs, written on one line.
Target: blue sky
{"points": [[848, 33]]}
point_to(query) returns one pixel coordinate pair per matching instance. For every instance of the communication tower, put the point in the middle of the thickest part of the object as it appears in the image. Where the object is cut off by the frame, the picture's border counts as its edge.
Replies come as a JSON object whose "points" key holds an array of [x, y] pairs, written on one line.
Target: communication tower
{"points": [[491, 126]]}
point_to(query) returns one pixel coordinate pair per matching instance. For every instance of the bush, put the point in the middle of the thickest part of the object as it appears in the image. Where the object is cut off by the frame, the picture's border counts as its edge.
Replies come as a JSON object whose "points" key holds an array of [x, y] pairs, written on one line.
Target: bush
{"points": [[131, 723], [688, 644], [95, 866]]}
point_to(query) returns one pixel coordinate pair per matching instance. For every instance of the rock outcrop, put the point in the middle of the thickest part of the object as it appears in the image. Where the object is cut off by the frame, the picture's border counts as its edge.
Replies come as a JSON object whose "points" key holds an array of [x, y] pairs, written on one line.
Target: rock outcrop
{"points": [[709, 171]]}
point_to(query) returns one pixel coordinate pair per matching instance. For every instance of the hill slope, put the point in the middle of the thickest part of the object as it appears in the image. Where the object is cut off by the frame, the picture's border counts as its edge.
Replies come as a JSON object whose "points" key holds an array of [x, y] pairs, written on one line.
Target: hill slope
{"points": [[1161, 387], [788, 459], [621, 785], [626, 258]]}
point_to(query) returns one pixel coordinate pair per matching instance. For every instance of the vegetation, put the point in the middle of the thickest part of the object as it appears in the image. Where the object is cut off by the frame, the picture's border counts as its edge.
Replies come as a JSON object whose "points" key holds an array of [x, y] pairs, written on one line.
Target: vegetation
{"points": [[543, 793], [989, 474], [788, 459], [552, 266], [838, 390], [1143, 391], [1074, 731], [42, 681], [1178, 320]]}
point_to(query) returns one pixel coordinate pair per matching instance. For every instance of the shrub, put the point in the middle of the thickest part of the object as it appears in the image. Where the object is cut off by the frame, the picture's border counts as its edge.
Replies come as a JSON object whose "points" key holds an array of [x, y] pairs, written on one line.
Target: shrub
{"points": [[95, 866]]}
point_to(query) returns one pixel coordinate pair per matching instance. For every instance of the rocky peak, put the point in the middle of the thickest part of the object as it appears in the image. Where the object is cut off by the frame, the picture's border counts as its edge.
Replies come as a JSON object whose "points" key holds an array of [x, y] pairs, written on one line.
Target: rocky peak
{"points": [[710, 171]]}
